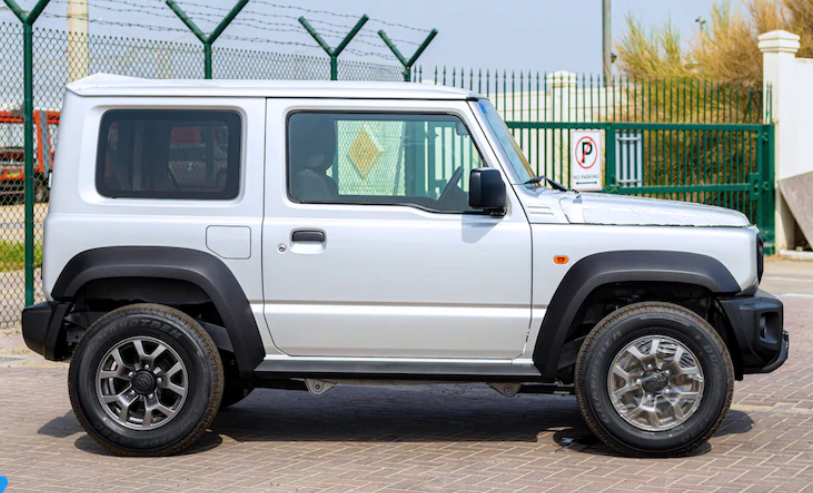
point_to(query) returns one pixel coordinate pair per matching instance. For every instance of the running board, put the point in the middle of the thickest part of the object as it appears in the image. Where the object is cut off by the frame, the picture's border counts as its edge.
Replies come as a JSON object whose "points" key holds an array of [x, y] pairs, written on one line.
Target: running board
{"points": [[390, 370]]}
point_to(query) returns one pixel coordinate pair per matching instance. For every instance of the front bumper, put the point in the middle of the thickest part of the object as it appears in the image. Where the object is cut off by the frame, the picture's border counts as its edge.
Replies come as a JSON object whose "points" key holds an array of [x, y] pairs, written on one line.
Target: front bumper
{"points": [[42, 329], [757, 322]]}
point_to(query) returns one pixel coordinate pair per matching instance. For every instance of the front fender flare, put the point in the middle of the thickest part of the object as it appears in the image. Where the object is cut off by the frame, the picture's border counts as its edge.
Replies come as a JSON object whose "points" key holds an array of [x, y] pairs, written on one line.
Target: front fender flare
{"points": [[601, 269]]}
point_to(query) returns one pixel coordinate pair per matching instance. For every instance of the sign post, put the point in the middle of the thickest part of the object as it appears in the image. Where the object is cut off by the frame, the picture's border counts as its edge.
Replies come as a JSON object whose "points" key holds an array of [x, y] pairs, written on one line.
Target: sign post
{"points": [[586, 172]]}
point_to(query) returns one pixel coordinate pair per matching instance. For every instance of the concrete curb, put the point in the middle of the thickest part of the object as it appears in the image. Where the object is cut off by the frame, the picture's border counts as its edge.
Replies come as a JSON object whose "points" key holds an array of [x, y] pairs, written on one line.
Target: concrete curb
{"points": [[794, 255]]}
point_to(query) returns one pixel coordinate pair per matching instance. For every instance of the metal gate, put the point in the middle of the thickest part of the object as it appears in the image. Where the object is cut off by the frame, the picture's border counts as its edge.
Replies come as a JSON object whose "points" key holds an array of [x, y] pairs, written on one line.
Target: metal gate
{"points": [[727, 165]]}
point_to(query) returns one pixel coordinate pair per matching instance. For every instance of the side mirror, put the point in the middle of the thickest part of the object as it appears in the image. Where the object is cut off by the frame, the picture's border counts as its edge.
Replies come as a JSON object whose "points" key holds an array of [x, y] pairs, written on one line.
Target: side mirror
{"points": [[487, 190]]}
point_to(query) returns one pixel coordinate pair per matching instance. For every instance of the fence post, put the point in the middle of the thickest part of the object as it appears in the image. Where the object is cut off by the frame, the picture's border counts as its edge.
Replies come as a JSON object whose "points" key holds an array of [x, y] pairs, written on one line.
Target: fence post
{"points": [[28, 20], [408, 64], [610, 184], [334, 53], [209, 40]]}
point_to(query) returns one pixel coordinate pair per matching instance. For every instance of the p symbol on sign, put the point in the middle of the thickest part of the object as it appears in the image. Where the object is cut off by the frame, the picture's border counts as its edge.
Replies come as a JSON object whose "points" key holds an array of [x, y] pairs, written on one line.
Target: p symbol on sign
{"points": [[586, 150]]}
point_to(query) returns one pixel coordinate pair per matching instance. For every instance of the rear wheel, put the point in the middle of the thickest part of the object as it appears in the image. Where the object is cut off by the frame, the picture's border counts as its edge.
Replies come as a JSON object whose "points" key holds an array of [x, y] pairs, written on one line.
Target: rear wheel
{"points": [[654, 379], [145, 380]]}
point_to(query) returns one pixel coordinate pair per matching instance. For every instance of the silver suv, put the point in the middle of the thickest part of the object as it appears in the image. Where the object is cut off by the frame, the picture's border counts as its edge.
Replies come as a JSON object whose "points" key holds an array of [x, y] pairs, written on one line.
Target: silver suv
{"points": [[206, 238]]}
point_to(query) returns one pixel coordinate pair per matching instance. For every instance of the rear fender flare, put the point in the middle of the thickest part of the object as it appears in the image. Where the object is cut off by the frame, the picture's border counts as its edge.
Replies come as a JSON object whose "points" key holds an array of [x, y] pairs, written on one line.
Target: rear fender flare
{"points": [[199, 268]]}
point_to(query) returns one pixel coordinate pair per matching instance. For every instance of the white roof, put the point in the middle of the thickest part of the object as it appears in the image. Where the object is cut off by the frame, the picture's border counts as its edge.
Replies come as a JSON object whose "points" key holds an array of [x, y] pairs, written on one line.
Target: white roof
{"points": [[116, 85]]}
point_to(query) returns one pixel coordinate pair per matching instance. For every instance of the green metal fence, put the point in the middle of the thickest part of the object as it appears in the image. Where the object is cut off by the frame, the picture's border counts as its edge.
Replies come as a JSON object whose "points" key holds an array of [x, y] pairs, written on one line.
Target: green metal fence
{"points": [[680, 139]]}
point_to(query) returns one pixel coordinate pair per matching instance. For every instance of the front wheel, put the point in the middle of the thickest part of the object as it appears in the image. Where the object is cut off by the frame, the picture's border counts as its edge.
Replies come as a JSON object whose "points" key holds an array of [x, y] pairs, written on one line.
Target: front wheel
{"points": [[145, 380], [654, 379]]}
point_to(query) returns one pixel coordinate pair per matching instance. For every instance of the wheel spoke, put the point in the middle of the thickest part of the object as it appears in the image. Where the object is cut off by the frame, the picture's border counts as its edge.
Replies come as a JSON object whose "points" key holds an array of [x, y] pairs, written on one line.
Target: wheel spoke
{"points": [[688, 396], [124, 408], [637, 354], [121, 373], [636, 412], [625, 389], [653, 349], [693, 373], [175, 369], [165, 410], [115, 398], [158, 352], [181, 391], [677, 409], [678, 356], [620, 372], [653, 418], [139, 347], [116, 355]]}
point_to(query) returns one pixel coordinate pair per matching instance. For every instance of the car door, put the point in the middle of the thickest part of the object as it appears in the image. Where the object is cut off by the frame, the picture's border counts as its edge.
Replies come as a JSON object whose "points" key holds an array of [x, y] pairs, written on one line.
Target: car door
{"points": [[365, 255]]}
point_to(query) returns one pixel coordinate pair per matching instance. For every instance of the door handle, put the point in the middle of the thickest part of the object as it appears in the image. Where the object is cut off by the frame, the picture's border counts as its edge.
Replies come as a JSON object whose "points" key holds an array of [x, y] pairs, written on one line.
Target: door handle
{"points": [[308, 236]]}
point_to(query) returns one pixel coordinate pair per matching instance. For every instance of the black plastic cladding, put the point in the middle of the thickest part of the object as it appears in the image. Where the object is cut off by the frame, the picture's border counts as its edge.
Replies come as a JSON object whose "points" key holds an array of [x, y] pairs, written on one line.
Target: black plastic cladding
{"points": [[196, 267], [600, 269]]}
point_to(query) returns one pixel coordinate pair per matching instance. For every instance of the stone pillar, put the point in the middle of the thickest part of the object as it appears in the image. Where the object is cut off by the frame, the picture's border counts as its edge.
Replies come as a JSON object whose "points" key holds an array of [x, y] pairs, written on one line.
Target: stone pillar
{"points": [[78, 49], [778, 62], [562, 85]]}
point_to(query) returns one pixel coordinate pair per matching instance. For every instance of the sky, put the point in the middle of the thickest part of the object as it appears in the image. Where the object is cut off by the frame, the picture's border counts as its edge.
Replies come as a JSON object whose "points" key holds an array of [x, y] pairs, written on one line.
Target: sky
{"points": [[538, 35]]}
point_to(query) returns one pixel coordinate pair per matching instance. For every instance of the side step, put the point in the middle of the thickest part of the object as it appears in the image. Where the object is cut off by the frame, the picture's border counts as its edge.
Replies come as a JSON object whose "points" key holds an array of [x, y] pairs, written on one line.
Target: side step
{"points": [[375, 370]]}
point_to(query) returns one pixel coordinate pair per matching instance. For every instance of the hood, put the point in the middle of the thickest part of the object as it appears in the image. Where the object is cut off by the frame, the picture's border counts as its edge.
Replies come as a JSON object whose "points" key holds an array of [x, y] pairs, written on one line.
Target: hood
{"points": [[596, 208]]}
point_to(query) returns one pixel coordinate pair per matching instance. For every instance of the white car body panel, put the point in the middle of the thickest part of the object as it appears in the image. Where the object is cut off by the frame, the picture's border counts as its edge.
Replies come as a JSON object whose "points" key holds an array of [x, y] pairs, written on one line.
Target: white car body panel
{"points": [[81, 219], [735, 248], [596, 208], [392, 281]]}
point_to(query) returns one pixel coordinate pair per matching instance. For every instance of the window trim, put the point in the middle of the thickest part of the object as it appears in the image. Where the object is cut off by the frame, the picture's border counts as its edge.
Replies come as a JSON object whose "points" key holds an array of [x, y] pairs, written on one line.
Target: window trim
{"points": [[232, 119], [374, 112]]}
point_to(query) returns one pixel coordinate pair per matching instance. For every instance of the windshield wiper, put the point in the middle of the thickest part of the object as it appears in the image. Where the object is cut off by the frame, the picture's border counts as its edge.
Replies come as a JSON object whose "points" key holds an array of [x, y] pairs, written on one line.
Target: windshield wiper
{"points": [[539, 179]]}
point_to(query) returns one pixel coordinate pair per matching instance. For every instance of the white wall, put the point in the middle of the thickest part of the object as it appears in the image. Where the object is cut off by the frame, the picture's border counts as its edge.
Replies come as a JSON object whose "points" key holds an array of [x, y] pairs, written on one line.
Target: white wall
{"points": [[791, 110]]}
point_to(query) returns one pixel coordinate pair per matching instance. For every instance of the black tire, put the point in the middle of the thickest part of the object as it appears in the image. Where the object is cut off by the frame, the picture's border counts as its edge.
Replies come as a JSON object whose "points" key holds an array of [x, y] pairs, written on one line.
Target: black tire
{"points": [[612, 335], [195, 349], [233, 393]]}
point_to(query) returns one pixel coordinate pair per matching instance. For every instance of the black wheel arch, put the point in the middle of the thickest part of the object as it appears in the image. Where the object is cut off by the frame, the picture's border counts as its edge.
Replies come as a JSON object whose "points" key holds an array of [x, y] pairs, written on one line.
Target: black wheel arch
{"points": [[603, 269], [207, 274]]}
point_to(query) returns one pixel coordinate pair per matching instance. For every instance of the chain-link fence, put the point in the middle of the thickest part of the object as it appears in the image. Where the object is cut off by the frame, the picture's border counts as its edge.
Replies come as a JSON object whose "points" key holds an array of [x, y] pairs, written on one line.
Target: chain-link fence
{"points": [[58, 57]]}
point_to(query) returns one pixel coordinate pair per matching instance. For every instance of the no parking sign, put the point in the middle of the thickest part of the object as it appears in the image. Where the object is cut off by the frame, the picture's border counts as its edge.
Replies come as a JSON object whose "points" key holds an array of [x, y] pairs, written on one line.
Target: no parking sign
{"points": [[587, 168]]}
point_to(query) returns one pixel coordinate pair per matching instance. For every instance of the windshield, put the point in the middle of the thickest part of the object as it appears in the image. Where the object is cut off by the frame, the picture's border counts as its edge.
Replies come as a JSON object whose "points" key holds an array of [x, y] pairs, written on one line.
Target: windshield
{"points": [[516, 158]]}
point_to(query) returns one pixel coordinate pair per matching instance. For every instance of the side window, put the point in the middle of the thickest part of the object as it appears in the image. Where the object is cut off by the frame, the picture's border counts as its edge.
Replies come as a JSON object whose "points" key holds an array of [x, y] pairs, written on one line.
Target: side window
{"points": [[393, 159], [169, 154]]}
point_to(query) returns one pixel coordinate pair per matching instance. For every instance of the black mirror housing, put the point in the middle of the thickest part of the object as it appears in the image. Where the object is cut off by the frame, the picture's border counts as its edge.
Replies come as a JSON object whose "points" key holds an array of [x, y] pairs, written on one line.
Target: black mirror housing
{"points": [[487, 190]]}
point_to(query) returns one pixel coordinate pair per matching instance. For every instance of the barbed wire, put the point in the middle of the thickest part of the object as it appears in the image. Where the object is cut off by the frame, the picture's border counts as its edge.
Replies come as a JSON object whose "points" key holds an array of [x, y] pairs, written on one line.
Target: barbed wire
{"points": [[328, 12], [248, 11], [252, 19], [117, 23], [249, 39], [242, 20]]}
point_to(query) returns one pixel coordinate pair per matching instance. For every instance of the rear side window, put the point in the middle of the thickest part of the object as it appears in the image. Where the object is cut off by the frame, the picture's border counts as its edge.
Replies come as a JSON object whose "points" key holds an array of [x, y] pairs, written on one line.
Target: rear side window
{"points": [[169, 154]]}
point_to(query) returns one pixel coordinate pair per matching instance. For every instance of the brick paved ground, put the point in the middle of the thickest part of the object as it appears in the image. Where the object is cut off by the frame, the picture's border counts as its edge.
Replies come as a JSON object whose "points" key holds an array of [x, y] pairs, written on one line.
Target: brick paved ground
{"points": [[429, 438]]}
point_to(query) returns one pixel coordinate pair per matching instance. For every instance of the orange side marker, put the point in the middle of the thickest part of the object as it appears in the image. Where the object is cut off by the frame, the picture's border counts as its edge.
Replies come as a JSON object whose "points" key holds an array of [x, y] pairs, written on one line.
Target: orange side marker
{"points": [[560, 259]]}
